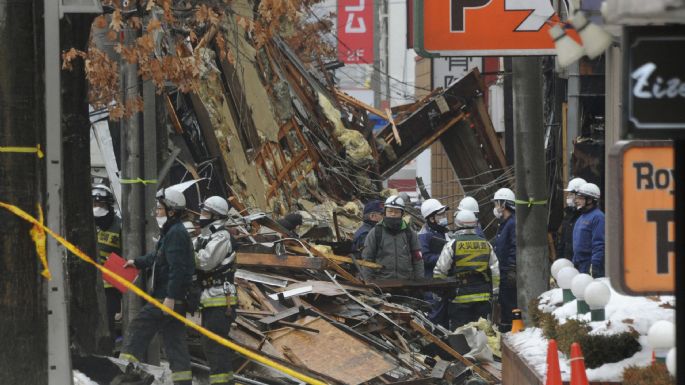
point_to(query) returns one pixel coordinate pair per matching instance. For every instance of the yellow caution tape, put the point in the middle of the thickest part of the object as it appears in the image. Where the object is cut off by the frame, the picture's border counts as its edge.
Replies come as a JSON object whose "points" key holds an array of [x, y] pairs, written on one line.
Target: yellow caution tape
{"points": [[231, 345], [39, 238], [24, 150], [531, 202], [138, 180]]}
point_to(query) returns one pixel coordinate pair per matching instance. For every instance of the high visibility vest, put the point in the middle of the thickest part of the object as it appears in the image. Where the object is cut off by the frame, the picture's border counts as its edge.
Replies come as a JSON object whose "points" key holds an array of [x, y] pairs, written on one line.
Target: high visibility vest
{"points": [[109, 241], [472, 268]]}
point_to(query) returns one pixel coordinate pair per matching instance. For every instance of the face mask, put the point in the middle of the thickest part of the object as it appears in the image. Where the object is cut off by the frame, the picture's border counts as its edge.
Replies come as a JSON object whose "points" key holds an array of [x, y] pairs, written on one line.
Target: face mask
{"points": [[161, 221], [100, 212], [443, 222], [570, 202], [205, 221], [497, 212], [394, 224]]}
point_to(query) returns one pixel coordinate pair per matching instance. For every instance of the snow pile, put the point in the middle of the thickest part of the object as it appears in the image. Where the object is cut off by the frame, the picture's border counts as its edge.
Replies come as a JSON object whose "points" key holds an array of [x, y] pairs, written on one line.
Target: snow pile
{"points": [[623, 314], [82, 379]]}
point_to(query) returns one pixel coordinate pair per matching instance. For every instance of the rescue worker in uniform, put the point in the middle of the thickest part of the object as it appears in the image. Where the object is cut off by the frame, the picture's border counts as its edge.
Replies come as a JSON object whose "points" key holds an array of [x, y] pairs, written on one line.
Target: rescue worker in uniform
{"points": [[108, 228], [471, 204], [215, 264], [373, 213], [571, 214], [433, 234], [468, 257], [394, 245], [588, 233], [505, 249], [173, 266]]}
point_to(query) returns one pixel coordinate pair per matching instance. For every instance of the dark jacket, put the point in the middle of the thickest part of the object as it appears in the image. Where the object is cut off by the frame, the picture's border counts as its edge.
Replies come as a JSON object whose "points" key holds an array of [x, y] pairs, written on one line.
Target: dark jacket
{"points": [[588, 243], [565, 239], [505, 244], [399, 253], [173, 264], [432, 243], [360, 236]]}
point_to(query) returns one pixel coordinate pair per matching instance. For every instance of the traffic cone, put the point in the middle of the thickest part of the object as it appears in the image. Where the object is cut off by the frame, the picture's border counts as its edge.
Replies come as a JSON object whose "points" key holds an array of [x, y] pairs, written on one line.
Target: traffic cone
{"points": [[516, 321], [578, 375], [553, 371]]}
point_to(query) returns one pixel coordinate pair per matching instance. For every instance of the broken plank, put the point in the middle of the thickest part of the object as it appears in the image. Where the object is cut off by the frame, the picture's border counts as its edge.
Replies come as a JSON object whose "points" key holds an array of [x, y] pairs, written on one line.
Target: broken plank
{"points": [[333, 264], [339, 258], [448, 349], [261, 298], [430, 283], [281, 315], [271, 260]]}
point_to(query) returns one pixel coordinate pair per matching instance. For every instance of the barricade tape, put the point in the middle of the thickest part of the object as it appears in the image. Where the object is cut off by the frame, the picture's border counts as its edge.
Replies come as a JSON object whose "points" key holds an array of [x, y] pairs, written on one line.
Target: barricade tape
{"points": [[135, 289], [24, 150], [531, 202], [138, 180]]}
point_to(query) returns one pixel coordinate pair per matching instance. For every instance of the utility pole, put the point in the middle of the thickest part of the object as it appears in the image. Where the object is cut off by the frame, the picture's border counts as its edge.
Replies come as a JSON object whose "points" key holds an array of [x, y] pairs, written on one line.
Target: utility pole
{"points": [[375, 71], [24, 320], [531, 220], [386, 50]]}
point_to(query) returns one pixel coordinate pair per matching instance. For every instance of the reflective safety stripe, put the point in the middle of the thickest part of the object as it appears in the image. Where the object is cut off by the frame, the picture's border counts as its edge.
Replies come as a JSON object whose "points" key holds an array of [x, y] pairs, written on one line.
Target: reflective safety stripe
{"points": [[232, 300], [440, 276], [128, 357], [185, 375], [214, 301], [221, 378], [468, 298]]}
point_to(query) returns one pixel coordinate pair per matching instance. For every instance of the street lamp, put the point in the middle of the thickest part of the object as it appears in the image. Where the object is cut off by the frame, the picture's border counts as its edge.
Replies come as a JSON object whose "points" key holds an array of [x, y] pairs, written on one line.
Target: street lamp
{"points": [[560, 264], [661, 338], [597, 296], [578, 285], [564, 278]]}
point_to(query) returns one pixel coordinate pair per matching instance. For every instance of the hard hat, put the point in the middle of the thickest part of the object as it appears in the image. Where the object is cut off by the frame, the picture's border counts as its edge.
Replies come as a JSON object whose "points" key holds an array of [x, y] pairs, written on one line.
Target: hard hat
{"points": [[216, 205], [394, 201], [504, 194], [171, 198], [102, 193], [574, 184], [589, 190], [465, 219], [432, 206], [469, 204]]}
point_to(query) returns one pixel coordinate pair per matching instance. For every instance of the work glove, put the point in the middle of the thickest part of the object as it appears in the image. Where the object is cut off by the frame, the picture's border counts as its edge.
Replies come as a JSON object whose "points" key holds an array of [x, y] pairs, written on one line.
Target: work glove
{"points": [[201, 242], [169, 302]]}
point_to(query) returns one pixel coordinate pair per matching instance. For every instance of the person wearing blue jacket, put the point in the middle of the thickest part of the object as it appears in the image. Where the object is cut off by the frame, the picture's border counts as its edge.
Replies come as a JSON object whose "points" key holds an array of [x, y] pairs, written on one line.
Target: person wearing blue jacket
{"points": [[468, 203], [505, 248], [373, 213], [588, 232], [432, 236]]}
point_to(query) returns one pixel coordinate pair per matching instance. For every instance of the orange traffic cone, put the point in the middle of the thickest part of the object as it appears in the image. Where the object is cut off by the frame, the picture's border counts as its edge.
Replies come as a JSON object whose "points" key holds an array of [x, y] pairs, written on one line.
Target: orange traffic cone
{"points": [[516, 321], [578, 375], [553, 371]]}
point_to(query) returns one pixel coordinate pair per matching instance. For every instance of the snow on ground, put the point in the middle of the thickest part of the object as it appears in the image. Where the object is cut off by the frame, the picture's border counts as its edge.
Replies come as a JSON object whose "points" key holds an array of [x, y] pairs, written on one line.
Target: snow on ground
{"points": [[82, 379], [623, 313]]}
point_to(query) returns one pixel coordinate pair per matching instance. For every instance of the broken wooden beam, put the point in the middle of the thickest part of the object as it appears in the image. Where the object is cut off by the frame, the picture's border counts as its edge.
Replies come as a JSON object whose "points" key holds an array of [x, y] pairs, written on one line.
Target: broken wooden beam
{"points": [[288, 262], [429, 283], [281, 315], [339, 258]]}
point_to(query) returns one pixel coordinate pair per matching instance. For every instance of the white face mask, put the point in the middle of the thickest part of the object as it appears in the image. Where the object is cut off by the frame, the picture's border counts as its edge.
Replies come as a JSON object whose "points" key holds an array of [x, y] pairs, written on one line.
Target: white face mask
{"points": [[161, 221], [100, 212], [443, 222], [497, 212], [570, 202]]}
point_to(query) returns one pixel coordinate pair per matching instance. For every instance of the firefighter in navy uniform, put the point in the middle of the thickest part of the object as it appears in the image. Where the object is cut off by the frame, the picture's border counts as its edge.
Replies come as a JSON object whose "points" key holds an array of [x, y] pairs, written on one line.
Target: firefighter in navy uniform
{"points": [[172, 267], [469, 258], [215, 264], [108, 227], [588, 233], [505, 249]]}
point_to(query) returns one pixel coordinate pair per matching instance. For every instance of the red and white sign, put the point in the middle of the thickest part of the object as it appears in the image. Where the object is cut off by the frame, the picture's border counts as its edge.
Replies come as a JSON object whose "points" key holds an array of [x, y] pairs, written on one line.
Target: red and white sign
{"points": [[355, 31], [487, 27]]}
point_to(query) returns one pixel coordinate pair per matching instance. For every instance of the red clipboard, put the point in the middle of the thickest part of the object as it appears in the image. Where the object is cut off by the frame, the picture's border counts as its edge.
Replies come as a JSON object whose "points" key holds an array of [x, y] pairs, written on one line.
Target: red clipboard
{"points": [[116, 264]]}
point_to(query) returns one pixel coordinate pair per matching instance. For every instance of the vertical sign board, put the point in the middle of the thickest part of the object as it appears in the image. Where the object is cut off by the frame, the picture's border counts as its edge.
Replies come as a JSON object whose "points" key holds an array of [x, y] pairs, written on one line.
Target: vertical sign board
{"points": [[483, 27], [355, 31], [654, 75], [644, 221]]}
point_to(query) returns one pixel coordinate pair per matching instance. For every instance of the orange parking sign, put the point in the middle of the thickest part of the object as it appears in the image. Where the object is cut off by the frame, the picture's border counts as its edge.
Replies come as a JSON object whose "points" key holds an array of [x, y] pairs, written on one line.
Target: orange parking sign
{"points": [[644, 260], [484, 27]]}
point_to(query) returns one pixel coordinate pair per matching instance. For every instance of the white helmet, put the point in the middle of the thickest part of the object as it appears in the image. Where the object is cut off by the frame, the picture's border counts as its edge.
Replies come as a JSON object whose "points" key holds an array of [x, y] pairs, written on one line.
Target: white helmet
{"points": [[432, 206], [469, 204], [102, 193], [172, 199], [465, 219], [589, 190], [216, 205], [574, 184], [394, 201], [504, 194]]}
